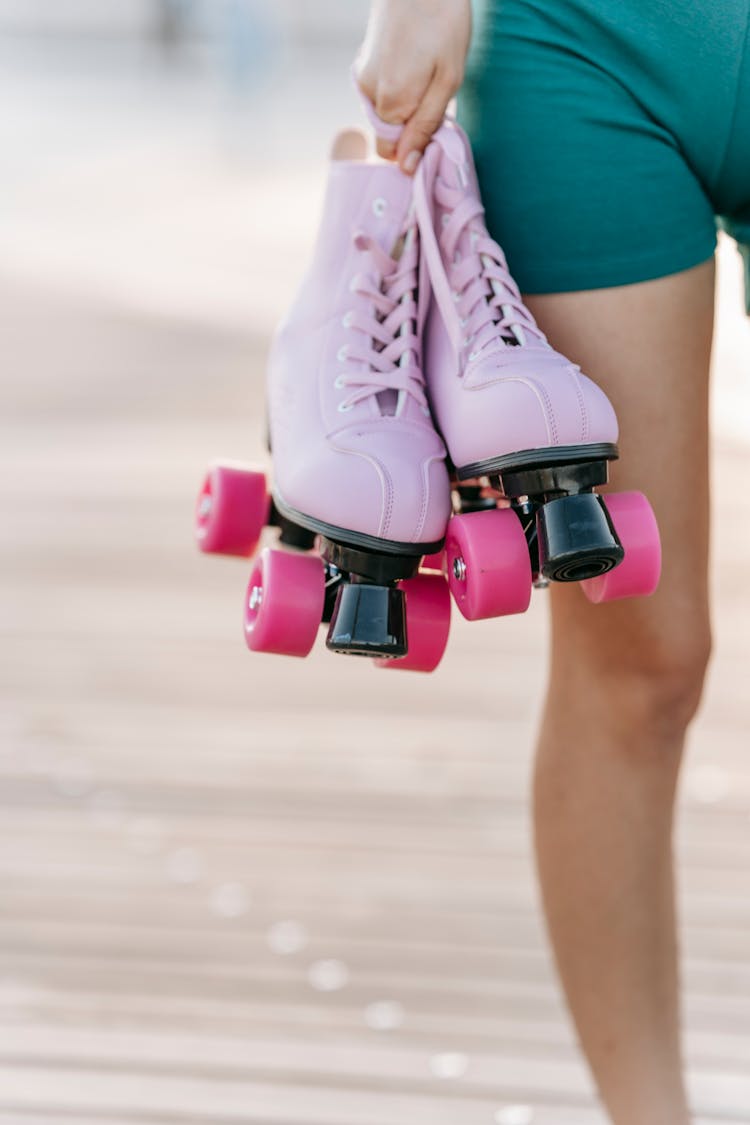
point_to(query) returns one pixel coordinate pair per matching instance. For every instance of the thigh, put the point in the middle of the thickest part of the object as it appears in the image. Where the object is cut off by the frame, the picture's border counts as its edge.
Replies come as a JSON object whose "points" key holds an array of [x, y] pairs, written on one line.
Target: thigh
{"points": [[648, 346], [583, 185]]}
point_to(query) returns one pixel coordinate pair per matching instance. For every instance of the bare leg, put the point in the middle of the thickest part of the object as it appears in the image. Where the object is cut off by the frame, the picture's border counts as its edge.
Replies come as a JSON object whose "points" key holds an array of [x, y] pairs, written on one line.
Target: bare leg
{"points": [[626, 679]]}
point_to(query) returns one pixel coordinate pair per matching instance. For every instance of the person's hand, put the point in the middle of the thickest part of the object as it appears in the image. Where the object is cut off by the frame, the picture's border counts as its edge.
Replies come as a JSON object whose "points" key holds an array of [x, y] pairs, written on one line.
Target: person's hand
{"points": [[410, 66]]}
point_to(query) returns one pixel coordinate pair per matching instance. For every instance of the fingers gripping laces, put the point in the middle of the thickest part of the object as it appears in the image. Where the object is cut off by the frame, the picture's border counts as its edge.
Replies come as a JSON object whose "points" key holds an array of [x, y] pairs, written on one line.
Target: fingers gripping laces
{"points": [[479, 300], [386, 345]]}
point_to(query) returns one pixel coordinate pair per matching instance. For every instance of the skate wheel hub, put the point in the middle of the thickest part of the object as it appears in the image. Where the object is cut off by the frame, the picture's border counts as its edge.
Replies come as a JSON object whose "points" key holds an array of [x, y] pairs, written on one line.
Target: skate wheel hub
{"points": [[256, 597], [232, 510], [489, 573], [284, 603]]}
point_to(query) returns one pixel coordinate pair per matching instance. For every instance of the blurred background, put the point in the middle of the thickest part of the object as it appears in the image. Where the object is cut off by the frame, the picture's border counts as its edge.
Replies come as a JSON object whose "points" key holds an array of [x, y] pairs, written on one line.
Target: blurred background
{"points": [[239, 888]]}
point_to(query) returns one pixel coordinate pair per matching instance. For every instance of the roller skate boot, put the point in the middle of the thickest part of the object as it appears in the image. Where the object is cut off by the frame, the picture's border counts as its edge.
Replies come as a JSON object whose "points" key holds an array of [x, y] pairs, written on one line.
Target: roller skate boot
{"points": [[360, 490], [529, 436]]}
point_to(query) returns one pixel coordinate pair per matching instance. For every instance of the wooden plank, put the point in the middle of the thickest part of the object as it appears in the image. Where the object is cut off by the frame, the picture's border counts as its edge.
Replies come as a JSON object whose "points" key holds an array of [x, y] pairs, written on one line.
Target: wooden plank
{"points": [[148, 763]]}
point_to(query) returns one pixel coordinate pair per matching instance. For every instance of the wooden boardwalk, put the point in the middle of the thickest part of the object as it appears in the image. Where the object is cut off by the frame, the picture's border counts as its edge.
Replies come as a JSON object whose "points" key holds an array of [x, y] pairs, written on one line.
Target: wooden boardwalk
{"points": [[243, 889]]}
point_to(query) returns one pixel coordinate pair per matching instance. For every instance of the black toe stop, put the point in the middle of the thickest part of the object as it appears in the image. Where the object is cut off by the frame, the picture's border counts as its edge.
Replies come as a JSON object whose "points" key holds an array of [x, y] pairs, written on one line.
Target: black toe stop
{"points": [[368, 620], [576, 538]]}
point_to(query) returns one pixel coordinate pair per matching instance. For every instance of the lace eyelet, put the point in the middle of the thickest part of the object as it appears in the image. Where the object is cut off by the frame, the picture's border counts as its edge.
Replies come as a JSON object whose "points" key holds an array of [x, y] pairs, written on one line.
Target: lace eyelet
{"points": [[342, 353], [456, 296], [379, 206], [473, 356], [347, 318], [344, 407], [338, 382]]}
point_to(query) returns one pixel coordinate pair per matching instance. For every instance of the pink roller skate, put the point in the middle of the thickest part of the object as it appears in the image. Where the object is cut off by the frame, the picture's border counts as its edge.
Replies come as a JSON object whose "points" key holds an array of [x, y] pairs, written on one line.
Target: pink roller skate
{"points": [[529, 435], [360, 487]]}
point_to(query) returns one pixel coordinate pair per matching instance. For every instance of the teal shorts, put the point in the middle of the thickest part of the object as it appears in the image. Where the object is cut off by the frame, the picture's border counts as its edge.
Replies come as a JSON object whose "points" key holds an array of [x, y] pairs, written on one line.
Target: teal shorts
{"points": [[611, 136]]}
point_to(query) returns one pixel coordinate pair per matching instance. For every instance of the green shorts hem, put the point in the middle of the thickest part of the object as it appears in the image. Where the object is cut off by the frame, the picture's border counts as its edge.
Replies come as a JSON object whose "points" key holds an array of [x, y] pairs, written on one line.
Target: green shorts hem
{"points": [[578, 276]]}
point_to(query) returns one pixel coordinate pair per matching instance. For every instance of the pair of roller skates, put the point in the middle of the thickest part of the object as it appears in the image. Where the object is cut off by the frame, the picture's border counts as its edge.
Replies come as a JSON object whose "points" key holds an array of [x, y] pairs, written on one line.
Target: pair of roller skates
{"points": [[427, 441]]}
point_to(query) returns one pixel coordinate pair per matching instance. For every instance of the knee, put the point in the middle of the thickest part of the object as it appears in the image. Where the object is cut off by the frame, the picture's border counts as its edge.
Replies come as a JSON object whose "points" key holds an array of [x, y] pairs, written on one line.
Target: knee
{"points": [[648, 679], [665, 686]]}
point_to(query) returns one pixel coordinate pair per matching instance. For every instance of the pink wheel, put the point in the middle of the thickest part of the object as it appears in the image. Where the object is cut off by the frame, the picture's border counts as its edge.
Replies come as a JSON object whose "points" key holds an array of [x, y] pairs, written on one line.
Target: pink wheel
{"points": [[489, 572], [232, 510], [284, 603], [434, 563], [638, 573], [428, 619]]}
